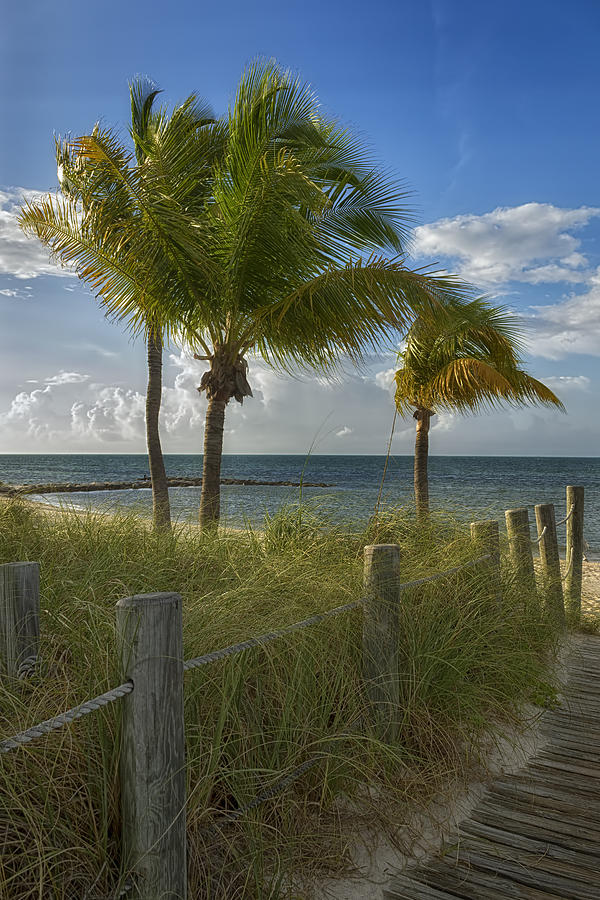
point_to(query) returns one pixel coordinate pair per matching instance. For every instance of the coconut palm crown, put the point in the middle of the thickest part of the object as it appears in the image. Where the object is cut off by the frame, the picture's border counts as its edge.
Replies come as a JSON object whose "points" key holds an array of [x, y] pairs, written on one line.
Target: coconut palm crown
{"points": [[115, 224], [465, 357], [269, 232], [307, 237]]}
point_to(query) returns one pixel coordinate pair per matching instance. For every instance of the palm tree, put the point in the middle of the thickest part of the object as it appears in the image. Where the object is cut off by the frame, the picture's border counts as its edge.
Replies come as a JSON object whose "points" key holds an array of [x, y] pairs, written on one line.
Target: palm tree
{"points": [[117, 223], [247, 235], [297, 204], [464, 357]]}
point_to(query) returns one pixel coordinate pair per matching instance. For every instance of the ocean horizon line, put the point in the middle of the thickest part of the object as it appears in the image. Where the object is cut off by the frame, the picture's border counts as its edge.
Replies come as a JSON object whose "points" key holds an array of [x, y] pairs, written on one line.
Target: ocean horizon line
{"points": [[308, 455]]}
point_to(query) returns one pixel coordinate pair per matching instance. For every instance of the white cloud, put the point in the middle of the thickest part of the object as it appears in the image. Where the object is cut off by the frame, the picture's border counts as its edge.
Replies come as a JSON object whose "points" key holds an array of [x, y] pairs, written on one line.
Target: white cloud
{"points": [[530, 243], [385, 379], [115, 415], [571, 325], [66, 378], [566, 383], [69, 411], [22, 256]]}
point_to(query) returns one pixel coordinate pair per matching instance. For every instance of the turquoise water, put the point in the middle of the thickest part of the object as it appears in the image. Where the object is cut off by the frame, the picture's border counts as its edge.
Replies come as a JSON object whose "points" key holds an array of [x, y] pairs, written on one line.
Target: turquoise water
{"points": [[469, 486]]}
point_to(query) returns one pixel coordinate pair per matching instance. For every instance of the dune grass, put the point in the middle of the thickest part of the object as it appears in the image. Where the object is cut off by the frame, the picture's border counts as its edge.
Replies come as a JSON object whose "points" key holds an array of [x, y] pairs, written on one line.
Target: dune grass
{"points": [[466, 668]]}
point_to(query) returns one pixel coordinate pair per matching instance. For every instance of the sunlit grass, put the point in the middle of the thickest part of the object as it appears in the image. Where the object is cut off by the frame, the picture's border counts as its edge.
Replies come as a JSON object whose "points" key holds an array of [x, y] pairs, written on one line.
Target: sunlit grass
{"points": [[467, 666]]}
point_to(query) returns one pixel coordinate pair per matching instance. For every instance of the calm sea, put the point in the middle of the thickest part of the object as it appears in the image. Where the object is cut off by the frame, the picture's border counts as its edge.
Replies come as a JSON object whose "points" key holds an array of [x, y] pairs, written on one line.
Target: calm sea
{"points": [[469, 486]]}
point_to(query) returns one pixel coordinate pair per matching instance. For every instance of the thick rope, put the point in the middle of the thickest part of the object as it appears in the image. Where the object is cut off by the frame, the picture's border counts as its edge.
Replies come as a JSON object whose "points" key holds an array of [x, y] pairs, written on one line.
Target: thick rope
{"points": [[569, 567], [262, 639], [567, 517], [446, 572], [27, 667], [65, 718], [538, 539], [281, 785]]}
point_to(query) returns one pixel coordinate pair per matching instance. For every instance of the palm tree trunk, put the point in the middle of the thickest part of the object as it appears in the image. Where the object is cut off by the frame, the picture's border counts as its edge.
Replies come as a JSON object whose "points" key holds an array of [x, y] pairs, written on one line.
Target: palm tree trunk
{"points": [[158, 475], [210, 500], [423, 417]]}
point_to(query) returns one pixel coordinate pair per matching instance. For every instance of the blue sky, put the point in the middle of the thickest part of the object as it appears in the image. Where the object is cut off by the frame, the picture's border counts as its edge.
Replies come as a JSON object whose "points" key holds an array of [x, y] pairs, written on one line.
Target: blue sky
{"points": [[488, 111]]}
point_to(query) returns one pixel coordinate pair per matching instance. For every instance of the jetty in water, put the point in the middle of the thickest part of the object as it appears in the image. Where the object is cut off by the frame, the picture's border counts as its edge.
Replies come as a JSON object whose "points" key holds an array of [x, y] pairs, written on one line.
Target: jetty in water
{"points": [[13, 490]]}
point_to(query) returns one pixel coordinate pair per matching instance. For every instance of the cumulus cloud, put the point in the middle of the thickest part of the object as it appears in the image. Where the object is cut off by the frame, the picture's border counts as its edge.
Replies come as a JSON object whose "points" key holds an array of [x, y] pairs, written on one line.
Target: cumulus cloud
{"points": [[69, 411], [385, 379], [566, 383], [572, 325], [66, 378], [22, 256], [531, 243]]}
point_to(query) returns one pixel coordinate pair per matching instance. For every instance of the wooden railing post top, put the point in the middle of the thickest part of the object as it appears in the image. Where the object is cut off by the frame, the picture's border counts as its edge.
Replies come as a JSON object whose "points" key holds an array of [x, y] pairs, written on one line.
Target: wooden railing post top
{"points": [[141, 600], [517, 511], [485, 523], [372, 549]]}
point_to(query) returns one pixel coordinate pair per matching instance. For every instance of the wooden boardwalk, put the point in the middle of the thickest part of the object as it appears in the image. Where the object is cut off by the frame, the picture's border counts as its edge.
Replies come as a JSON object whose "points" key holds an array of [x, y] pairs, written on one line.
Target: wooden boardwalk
{"points": [[534, 835]]}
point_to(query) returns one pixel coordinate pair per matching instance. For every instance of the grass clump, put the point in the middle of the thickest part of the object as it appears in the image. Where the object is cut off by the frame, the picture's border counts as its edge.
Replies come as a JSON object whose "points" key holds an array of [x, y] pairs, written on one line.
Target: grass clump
{"points": [[466, 667]]}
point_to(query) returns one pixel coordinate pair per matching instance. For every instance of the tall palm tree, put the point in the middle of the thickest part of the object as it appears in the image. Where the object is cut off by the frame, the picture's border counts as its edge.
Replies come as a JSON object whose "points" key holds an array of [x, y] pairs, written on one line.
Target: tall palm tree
{"points": [[297, 204], [117, 223], [464, 357], [247, 235]]}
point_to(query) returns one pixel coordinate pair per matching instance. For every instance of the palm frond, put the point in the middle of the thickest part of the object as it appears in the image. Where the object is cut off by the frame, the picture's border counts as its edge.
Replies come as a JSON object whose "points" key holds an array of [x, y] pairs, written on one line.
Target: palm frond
{"points": [[465, 356]]}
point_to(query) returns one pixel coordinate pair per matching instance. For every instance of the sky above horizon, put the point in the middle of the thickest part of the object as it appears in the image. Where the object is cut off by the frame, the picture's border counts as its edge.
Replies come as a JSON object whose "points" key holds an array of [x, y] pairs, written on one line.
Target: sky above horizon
{"points": [[488, 112]]}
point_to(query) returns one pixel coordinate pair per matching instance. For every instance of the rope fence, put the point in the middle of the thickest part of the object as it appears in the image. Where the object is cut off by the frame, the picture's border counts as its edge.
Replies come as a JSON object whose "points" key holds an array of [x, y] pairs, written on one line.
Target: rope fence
{"points": [[150, 634], [90, 706], [266, 638], [538, 539], [84, 709], [280, 785], [567, 517]]}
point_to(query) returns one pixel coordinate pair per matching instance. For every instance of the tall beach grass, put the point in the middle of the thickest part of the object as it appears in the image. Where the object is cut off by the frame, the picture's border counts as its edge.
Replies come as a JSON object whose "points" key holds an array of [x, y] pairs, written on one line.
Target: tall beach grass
{"points": [[467, 667]]}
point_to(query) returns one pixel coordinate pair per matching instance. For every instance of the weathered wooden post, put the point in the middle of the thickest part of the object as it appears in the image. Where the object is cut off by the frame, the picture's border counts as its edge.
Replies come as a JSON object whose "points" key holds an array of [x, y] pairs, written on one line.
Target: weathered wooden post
{"points": [[486, 539], [381, 635], [152, 764], [19, 616], [574, 560], [550, 562], [520, 552]]}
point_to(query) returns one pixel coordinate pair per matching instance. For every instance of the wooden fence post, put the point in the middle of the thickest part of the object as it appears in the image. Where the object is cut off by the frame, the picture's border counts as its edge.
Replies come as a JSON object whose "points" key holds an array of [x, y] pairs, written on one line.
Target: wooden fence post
{"points": [[152, 763], [486, 539], [19, 616], [574, 559], [381, 635], [520, 552], [550, 562]]}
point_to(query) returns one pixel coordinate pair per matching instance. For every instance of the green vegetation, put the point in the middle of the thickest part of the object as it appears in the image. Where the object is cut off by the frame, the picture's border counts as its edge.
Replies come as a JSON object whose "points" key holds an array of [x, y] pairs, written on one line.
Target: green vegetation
{"points": [[466, 669], [461, 357], [119, 224], [265, 232]]}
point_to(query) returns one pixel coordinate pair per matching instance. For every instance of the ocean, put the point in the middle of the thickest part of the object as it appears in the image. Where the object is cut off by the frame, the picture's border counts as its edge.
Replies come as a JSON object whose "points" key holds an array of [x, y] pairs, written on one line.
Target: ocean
{"points": [[467, 486]]}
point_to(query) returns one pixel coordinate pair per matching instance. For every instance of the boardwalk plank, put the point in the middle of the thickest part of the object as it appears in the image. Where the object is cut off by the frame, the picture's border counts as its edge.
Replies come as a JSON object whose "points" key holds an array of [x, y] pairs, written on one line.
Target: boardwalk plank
{"points": [[531, 845], [535, 834], [566, 888], [541, 864], [475, 884], [542, 797]]}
